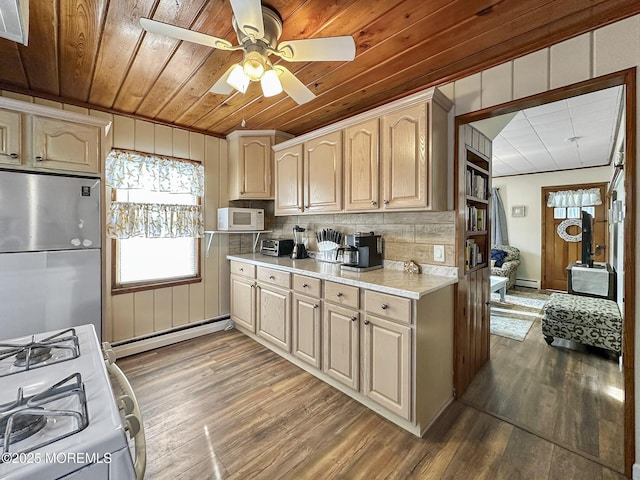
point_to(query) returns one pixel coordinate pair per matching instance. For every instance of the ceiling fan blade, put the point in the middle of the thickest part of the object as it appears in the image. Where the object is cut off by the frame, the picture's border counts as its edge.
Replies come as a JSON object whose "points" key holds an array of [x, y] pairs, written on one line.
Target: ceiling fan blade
{"points": [[248, 17], [221, 86], [292, 86], [318, 49], [180, 33]]}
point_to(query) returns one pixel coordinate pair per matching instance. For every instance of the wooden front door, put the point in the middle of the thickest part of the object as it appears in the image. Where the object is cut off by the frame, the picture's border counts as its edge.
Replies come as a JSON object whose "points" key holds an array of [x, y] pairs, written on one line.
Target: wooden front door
{"points": [[557, 253]]}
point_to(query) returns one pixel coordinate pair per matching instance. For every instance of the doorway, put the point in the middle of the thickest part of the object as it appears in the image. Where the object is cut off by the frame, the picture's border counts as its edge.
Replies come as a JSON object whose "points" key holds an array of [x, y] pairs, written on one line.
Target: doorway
{"points": [[558, 251], [627, 79]]}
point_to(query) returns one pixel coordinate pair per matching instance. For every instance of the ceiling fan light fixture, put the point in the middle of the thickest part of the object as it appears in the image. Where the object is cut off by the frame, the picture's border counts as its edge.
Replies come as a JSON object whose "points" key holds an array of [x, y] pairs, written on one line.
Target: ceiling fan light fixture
{"points": [[253, 65], [238, 80], [270, 84]]}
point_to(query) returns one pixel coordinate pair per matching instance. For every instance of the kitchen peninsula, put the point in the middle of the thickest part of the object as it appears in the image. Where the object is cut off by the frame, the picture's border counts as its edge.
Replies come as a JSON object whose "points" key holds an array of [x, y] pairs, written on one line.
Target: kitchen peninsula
{"points": [[383, 337]]}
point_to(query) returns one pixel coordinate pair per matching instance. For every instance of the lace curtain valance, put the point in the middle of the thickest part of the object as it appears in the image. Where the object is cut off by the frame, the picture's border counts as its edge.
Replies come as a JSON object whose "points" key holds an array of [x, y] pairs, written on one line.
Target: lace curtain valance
{"points": [[136, 170], [170, 218], [575, 198]]}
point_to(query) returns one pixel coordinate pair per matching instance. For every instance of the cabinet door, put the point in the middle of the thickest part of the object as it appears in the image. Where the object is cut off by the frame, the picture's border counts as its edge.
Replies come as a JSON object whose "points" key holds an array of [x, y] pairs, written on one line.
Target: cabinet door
{"points": [[341, 351], [63, 145], [305, 321], [274, 316], [255, 167], [243, 302], [288, 173], [403, 157], [323, 173], [387, 360], [361, 166], [10, 138]]}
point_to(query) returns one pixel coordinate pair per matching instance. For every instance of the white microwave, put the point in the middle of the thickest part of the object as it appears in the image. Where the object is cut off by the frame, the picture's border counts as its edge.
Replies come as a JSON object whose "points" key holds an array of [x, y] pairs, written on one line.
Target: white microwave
{"points": [[230, 218]]}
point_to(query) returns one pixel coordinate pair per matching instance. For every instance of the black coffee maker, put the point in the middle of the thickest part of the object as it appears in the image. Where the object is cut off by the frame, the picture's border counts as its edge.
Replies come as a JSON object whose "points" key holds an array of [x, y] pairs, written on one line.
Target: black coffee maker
{"points": [[299, 248], [369, 248]]}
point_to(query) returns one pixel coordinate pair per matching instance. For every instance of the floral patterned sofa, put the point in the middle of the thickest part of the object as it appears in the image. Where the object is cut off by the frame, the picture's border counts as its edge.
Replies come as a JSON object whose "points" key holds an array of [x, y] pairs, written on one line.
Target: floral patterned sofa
{"points": [[591, 321], [510, 265]]}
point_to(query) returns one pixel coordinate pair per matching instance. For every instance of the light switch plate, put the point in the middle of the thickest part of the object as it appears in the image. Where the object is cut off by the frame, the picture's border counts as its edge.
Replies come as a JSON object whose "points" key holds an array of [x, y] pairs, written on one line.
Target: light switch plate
{"points": [[438, 253]]}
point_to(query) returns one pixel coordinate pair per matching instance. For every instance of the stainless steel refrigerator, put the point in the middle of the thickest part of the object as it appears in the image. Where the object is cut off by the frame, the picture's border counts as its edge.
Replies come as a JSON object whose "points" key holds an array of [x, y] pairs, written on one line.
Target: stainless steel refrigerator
{"points": [[50, 276]]}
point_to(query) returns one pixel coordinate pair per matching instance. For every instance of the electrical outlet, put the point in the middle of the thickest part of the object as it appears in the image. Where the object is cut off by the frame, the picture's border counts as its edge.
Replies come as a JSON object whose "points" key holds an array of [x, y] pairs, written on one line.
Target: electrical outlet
{"points": [[438, 253]]}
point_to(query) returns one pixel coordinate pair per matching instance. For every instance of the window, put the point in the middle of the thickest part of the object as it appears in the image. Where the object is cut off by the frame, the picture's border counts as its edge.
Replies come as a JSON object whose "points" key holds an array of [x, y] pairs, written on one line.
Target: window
{"points": [[155, 218]]}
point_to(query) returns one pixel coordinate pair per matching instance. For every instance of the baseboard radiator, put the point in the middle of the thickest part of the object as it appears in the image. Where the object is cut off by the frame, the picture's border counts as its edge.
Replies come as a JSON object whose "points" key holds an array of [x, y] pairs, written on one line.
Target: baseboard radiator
{"points": [[524, 282], [169, 337]]}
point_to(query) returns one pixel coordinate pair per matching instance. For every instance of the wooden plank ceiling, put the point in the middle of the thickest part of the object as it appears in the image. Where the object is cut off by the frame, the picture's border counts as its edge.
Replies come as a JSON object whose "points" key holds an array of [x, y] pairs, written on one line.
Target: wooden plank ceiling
{"points": [[94, 53]]}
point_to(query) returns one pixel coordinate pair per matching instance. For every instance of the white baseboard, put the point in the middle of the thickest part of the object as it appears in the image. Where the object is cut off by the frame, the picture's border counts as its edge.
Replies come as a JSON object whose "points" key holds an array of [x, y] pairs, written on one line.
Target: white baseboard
{"points": [[170, 337], [635, 473], [523, 282]]}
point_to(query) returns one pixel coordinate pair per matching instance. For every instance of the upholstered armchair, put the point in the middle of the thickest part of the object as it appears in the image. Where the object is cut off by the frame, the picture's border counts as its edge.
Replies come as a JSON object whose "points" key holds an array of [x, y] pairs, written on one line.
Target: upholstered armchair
{"points": [[510, 264]]}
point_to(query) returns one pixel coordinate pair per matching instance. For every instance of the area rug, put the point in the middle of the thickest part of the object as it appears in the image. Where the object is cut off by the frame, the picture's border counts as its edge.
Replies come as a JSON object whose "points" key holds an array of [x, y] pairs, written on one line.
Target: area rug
{"points": [[513, 317]]}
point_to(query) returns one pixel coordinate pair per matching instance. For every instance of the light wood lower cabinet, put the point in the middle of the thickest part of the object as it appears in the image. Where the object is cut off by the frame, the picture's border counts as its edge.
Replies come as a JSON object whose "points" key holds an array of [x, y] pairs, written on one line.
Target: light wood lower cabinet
{"points": [[243, 302], [391, 353], [273, 314], [387, 365], [306, 326], [341, 337]]}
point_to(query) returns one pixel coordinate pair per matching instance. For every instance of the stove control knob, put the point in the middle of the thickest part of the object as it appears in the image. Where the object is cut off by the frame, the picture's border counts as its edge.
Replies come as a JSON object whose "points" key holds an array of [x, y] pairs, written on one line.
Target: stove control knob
{"points": [[133, 425], [126, 403]]}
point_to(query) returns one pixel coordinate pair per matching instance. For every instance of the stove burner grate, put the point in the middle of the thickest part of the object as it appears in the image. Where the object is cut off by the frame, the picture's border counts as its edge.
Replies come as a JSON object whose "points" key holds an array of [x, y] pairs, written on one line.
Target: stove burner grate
{"points": [[24, 417], [56, 348], [36, 355], [23, 426]]}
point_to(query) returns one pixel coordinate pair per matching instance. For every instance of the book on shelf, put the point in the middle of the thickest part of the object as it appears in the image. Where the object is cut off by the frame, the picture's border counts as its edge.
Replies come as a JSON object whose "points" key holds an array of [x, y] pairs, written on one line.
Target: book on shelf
{"points": [[476, 219], [472, 255], [476, 184]]}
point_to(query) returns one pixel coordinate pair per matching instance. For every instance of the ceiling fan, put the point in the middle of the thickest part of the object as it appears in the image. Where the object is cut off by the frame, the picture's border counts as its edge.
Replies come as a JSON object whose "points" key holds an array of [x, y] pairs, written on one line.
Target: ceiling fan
{"points": [[258, 29]]}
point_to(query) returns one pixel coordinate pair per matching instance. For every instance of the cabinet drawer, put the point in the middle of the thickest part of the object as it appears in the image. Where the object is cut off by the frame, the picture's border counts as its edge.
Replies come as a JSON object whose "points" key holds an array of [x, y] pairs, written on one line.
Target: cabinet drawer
{"points": [[388, 306], [307, 285], [342, 294], [274, 277], [243, 269]]}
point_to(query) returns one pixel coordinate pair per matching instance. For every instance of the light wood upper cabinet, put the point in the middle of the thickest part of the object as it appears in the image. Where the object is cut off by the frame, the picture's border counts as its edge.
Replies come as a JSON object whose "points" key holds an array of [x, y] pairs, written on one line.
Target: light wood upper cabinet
{"points": [[387, 365], [10, 137], [251, 163], [323, 174], [288, 170], [361, 166], [403, 151], [65, 145], [395, 157]]}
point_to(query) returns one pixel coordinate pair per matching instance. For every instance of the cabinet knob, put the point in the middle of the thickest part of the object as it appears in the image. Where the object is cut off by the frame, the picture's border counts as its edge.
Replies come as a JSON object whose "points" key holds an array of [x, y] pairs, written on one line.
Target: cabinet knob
{"points": [[386, 202], [316, 305], [353, 319], [384, 306], [304, 285], [242, 269], [367, 322], [271, 277], [39, 158], [10, 155], [339, 294], [373, 202], [306, 206]]}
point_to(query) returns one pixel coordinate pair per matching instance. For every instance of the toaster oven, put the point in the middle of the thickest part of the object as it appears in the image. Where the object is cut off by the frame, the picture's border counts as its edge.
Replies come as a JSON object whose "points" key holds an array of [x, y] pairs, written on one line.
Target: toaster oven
{"points": [[276, 248]]}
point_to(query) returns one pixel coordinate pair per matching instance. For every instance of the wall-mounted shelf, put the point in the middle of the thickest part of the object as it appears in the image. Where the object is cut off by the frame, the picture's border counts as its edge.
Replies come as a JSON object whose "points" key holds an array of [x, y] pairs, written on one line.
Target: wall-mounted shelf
{"points": [[256, 236]]}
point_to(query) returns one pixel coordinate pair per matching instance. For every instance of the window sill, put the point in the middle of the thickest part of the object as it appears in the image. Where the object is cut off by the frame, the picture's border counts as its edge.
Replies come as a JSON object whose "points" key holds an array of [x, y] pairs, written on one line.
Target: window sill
{"points": [[139, 287]]}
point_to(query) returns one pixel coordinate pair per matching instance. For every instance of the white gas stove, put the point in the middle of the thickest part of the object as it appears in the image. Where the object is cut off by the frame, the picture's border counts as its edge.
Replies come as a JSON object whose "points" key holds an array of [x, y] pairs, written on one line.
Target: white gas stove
{"points": [[58, 414]]}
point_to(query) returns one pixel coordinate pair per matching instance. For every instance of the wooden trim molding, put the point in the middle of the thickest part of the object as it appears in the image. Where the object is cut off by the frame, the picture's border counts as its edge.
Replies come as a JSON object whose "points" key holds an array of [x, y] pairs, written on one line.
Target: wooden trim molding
{"points": [[627, 78]]}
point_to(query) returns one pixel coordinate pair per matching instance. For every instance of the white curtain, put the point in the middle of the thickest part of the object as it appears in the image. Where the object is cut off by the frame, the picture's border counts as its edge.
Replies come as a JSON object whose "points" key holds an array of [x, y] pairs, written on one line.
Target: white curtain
{"points": [[575, 198], [499, 233], [127, 170]]}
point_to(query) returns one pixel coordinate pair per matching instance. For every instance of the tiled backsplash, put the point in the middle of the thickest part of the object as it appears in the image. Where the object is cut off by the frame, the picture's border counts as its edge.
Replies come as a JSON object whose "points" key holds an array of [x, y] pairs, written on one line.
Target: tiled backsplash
{"points": [[406, 235]]}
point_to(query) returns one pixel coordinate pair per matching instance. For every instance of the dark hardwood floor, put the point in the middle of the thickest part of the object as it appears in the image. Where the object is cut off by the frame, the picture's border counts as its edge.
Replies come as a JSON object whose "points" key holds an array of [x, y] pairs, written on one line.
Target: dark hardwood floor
{"points": [[568, 393], [223, 406]]}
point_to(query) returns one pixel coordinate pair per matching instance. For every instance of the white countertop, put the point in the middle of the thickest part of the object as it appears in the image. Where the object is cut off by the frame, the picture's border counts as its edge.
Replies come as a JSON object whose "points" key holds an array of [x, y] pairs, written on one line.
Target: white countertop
{"points": [[383, 280]]}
